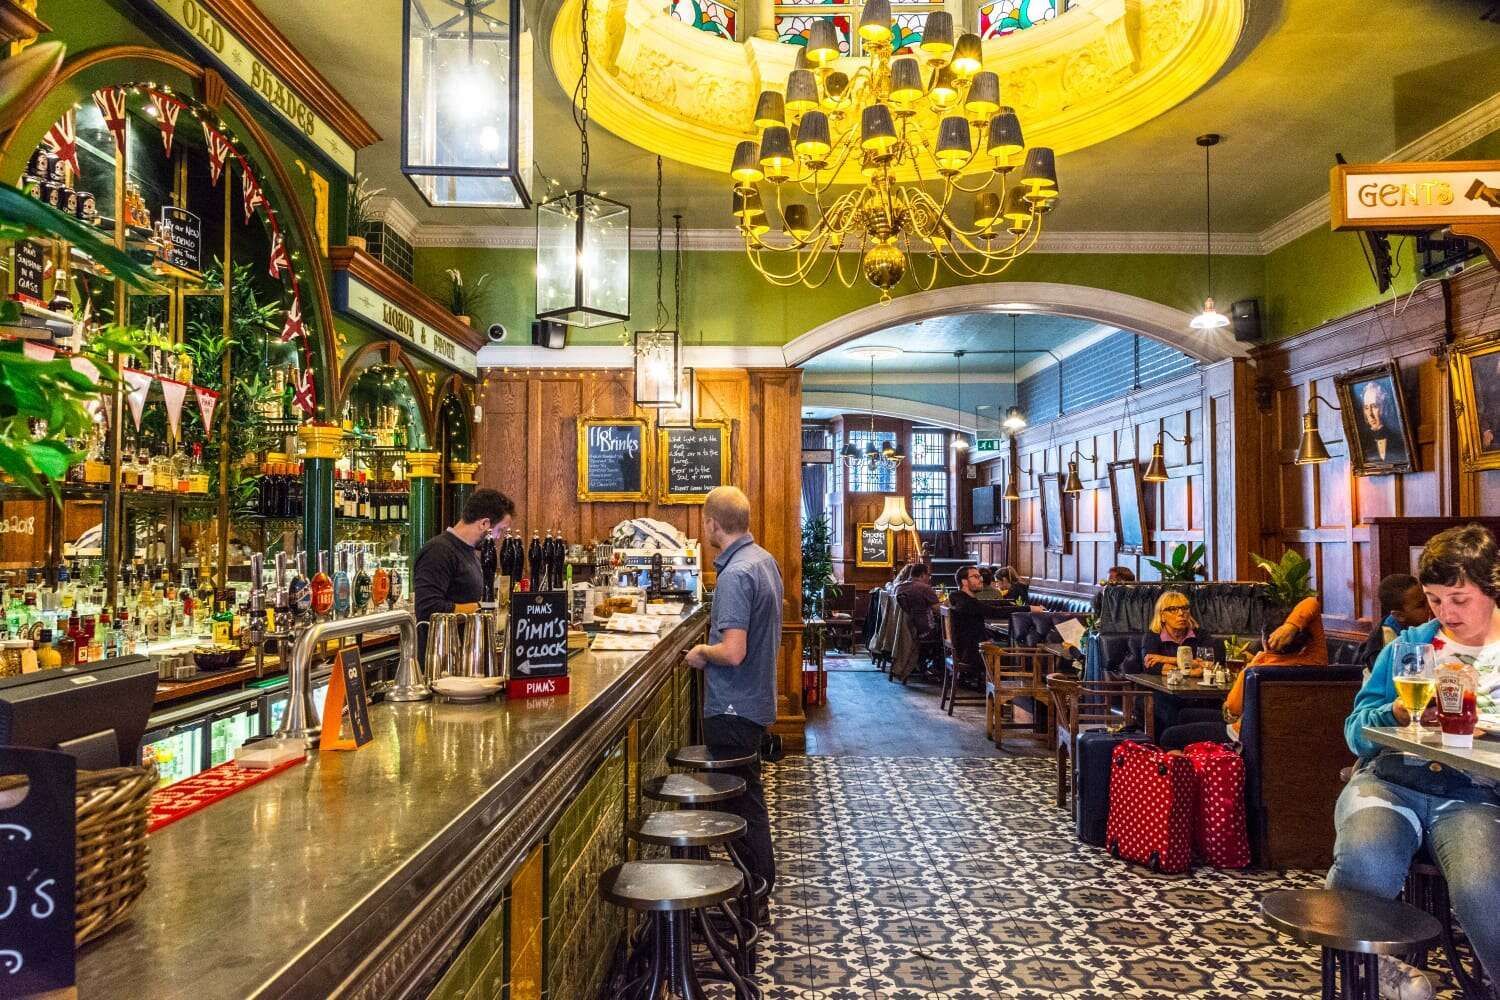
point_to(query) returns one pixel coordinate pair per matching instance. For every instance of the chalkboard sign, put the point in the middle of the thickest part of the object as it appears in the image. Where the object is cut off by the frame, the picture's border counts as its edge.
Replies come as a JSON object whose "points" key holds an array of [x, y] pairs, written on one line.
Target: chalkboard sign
{"points": [[36, 871], [693, 461], [185, 230], [612, 459], [538, 634], [31, 270], [874, 547]]}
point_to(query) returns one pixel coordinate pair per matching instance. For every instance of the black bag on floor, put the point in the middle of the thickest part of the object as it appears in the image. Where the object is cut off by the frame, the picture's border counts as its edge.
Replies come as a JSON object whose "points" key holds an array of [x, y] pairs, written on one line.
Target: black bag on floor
{"points": [[1091, 769]]}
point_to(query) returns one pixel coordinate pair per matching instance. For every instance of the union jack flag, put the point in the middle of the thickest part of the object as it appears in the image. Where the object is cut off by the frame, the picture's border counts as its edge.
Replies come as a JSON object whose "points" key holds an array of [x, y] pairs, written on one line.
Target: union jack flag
{"points": [[167, 109], [280, 261], [303, 393], [254, 197], [218, 151], [294, 327], [63, 138], [111, 104]]}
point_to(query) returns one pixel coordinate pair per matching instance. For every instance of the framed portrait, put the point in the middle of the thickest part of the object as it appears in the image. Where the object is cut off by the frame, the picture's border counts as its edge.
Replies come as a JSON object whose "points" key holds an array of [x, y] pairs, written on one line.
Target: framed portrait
{"points": [[875, 549], [1376, 428], [1054, 513], [1476, 397], [1129, 502]]}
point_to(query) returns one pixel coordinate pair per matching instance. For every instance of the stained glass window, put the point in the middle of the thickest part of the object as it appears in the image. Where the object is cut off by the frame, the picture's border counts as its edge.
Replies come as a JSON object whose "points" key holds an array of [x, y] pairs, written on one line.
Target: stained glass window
{"points": [[794, 28], [929, 479], [862, 478], [713, 16], [1003, 17]]}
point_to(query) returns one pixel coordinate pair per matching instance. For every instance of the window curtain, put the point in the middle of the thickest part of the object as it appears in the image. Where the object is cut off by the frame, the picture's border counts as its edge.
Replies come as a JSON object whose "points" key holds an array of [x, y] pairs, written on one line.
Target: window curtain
{"points": [[814, 477]]}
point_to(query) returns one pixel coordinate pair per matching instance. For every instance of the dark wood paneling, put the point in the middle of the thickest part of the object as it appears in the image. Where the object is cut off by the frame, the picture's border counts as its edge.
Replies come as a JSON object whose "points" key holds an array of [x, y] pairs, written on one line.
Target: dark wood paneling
{"points": [[528, 449]]}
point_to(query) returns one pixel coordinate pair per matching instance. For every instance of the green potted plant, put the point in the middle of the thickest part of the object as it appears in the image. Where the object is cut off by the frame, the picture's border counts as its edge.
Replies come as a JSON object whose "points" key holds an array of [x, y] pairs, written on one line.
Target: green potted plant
{"points": [[1288, 578], [817, 565], [361, 210], [1184, 565], [465, 298]]}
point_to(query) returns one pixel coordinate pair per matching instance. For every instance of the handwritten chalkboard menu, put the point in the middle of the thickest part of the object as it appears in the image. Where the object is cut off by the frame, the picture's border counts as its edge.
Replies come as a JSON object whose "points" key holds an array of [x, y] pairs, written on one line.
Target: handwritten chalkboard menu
{"points": [[36, 871], [538, 634], [31, 269], [693, 461], [874, 547], [612, 459], [185, 230]]}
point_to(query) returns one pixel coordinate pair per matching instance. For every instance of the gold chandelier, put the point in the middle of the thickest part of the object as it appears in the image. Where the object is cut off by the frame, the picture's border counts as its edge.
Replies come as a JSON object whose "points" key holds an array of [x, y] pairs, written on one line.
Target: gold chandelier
{"points": [[903, 122]]}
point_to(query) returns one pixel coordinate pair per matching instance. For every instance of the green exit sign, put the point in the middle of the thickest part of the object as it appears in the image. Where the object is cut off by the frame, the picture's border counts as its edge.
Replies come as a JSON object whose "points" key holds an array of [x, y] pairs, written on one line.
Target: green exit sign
{"points": [[987, 444]]}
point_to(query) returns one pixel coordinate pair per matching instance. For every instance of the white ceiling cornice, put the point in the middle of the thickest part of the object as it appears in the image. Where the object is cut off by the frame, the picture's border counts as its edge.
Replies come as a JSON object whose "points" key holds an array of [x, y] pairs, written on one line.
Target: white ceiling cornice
{"points": [[397, 216], [1446, 139]]}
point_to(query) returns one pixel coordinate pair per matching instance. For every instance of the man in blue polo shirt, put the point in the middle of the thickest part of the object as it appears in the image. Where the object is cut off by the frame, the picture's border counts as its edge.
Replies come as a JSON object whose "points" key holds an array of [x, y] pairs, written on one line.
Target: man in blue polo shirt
{"points": [[739, 661]]}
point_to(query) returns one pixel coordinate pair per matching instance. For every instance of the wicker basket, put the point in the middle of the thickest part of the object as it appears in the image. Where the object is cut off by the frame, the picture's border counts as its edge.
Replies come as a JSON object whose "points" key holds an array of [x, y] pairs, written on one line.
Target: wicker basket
{"points": [[113, 807]]}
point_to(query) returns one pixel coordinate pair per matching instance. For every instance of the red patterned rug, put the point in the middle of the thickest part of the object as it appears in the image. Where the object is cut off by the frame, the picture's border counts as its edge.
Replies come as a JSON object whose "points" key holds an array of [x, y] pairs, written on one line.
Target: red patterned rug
{"points": [[170, 804]]}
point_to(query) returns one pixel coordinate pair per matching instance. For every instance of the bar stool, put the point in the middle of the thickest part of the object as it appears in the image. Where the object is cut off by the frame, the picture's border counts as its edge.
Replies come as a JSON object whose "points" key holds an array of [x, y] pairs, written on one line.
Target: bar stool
{"points": [[675, 893], [688, 834], [1353, 930], [703, 758], [693, 788]]}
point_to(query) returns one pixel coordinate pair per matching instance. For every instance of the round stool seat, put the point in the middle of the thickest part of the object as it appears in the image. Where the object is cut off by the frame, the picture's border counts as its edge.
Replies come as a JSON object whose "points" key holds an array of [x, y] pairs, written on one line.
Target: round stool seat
{"points": [[686, 828], [698, 788], [1350, 921], [670, 885], [702, 758]]}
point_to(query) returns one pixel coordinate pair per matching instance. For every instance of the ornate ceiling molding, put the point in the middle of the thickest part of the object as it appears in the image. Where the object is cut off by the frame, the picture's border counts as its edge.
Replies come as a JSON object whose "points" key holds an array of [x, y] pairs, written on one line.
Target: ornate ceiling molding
{"points": [[1104, 68]]}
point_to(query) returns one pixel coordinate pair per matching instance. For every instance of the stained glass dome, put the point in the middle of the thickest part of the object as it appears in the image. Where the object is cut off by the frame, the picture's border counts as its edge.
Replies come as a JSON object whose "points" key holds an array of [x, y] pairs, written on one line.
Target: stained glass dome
{"points": [[795, 18]]}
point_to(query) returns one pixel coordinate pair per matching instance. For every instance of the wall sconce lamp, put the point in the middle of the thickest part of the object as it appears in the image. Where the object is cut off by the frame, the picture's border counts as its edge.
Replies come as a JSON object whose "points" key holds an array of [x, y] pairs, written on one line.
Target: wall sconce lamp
{"points": [[1013, 482], [1156, 470], [1312, 451], [1073, 484]]}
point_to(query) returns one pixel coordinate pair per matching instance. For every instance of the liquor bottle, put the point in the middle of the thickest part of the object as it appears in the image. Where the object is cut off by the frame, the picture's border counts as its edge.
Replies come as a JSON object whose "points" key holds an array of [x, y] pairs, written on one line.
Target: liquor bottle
{"points": [[488, 560], [67, 650], [298, 501], [198, 478], [534, 560], [66, 594], [342, 588], [223, 621], [146, 479], [321, 588], [364, 496], [205, 603], [362, 584], [188, 599]]}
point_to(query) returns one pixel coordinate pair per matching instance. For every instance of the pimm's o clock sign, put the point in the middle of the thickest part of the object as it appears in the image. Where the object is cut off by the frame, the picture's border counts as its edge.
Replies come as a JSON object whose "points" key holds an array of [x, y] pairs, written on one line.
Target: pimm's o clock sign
{"points": [[1458, 195]]}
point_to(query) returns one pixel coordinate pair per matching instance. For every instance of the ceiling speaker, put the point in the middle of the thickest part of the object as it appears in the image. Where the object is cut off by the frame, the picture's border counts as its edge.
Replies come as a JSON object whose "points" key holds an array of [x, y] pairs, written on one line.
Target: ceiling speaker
{"points": [[1244, 319], [549, 333]]}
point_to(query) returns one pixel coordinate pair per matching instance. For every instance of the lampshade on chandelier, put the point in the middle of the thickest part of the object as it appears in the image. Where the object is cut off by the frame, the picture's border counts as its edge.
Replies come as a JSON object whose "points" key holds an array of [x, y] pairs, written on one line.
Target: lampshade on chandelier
{"points": [[893, 517], [904, 121]]}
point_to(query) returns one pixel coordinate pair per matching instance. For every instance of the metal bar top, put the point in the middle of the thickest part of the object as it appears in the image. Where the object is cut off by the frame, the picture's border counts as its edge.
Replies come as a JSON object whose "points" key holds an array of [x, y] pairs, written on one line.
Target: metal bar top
{"points": [[1483, 759]]}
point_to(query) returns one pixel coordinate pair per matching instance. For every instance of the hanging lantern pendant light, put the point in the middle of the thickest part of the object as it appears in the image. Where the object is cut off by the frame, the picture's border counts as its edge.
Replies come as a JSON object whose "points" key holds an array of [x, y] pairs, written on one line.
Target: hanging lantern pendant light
{"points": [[658, 350], [680, 414], [1210, 318]]}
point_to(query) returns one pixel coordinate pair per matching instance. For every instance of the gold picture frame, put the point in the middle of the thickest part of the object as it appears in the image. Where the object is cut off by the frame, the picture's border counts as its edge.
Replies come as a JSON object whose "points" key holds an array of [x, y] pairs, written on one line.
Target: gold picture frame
{"points": [[1476, 403], [664, 437], [1380, 385], [859, 548], [642, 434]]}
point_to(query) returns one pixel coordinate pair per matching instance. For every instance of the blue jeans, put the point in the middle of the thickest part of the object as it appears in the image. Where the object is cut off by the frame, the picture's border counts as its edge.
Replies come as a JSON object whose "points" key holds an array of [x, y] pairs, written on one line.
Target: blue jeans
{"points": [[1381, 825]]}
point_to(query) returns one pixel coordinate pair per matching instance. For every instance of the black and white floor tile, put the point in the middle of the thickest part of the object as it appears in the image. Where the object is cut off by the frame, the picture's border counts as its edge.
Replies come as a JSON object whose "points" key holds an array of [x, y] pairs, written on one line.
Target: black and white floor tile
{"points": [[906, 878]]}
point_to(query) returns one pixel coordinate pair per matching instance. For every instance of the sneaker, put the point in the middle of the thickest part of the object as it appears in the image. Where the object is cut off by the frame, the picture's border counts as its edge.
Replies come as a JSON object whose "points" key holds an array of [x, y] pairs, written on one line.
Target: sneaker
{"points": [[1400, 981]]}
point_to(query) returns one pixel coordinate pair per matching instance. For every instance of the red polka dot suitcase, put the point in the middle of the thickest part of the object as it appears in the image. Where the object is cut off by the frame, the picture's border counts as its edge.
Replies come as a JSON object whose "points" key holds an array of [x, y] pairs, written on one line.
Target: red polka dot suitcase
{"points": [[1151, 798], [1220, 836]]}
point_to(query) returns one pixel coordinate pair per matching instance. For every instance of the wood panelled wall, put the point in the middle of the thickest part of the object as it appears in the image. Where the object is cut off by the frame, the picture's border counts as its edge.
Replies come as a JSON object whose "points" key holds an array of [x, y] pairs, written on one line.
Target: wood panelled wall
{"points": [[1196, 505], [528, 449], [854, 509], [1322, 511]]}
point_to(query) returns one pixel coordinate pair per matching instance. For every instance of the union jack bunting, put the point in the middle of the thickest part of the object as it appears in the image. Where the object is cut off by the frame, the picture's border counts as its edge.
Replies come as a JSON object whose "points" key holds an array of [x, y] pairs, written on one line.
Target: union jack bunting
{"points": [[111, 104], [303, 393], [254, 197], [63, 138], [218, 151], [167, 109], [294, 327], [279, 260]]}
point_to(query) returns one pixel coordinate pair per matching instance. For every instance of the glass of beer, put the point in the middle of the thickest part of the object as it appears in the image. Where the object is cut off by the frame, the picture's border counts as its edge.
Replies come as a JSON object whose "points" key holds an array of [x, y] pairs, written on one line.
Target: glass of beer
{"points": [[1412, 665]]}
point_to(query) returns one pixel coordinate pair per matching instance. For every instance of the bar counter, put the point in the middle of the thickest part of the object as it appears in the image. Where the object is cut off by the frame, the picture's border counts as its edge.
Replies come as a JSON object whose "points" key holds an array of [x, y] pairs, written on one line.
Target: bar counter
{"points": [[368, 873]]}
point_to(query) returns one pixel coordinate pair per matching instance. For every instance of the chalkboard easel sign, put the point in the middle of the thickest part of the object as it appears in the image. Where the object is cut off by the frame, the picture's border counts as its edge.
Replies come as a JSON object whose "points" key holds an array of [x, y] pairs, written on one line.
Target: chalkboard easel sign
{"points": [[37, 857], [693, 461], [537, 639], [30, 271], [185, 232], [613, 459], [874, 548]]}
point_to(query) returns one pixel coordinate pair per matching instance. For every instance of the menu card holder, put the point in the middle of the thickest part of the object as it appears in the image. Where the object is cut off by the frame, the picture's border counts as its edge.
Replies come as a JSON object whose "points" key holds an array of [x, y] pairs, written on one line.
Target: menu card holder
{"points": [[346, 686]]}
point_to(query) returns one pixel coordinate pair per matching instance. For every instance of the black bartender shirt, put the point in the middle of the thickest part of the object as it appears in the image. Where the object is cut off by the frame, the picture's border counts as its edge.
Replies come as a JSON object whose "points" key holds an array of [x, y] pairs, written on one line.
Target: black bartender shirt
{"points": [[447, 572]]}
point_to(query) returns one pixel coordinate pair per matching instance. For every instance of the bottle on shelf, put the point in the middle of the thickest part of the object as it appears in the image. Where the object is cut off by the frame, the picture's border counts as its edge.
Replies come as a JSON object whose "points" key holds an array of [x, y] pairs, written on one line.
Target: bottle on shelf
{"points": [[198, 476], [204, 606], [321, 588], [186, 596], [294, 492], [364, 497], [223, 620]]}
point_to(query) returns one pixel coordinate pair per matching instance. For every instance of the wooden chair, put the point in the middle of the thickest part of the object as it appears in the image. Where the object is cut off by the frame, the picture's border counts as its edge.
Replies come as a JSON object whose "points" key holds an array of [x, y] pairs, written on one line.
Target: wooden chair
{"points": [[1010, 674], [951, 669], [842, 626], [1084, 705]]}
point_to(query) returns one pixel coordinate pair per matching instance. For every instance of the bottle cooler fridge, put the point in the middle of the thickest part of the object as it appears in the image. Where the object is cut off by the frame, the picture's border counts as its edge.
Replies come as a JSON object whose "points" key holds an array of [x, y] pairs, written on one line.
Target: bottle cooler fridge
{"points": [[179, 750]]}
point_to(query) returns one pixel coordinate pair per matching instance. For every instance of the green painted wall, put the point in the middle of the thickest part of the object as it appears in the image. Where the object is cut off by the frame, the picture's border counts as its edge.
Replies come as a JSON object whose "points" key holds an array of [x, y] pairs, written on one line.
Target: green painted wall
{"points": [[1323, 275], [725, 301]]}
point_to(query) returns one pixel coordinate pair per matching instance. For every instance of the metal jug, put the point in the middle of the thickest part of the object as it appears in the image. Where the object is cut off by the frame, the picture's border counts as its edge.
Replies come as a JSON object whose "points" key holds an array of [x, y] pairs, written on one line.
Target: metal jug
{"points": [[444, 634], [477, 654]]}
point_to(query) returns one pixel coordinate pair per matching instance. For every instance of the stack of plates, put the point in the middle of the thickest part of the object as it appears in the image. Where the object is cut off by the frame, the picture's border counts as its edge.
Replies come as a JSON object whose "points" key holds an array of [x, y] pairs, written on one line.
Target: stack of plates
{"points": [[467, 688]]}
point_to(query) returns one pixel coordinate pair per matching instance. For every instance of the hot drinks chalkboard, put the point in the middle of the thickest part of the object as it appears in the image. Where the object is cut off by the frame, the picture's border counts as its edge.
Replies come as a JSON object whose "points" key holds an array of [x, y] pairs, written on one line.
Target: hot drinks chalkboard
{"points": [[31, 271], [693, 461], [612, 459], [184, 232], [874, 546], [37, 833], [537, 637]]}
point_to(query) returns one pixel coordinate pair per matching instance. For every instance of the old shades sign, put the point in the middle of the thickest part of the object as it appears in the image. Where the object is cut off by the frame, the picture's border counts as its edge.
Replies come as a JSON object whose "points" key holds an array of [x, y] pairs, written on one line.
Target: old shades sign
{"points": [[538, 642]]}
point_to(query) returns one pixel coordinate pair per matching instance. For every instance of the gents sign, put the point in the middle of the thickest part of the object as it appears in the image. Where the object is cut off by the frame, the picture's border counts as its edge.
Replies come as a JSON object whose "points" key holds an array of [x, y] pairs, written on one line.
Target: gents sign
{"points": [[1463, 196], [353, 296], [611, 459], [694, 461], [538, 641], [185, 232], [36, 873], [211, 33]]}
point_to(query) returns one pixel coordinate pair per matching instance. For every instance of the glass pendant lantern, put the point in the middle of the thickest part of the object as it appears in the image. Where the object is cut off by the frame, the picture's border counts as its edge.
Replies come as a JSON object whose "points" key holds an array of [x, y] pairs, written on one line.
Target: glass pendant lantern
{"points": [[680, 413], [466, 137]]}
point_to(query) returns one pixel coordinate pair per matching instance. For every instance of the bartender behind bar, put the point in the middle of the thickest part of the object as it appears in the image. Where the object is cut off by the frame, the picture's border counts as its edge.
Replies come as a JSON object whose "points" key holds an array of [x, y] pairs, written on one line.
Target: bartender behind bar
{"points": [[447, 576]]}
